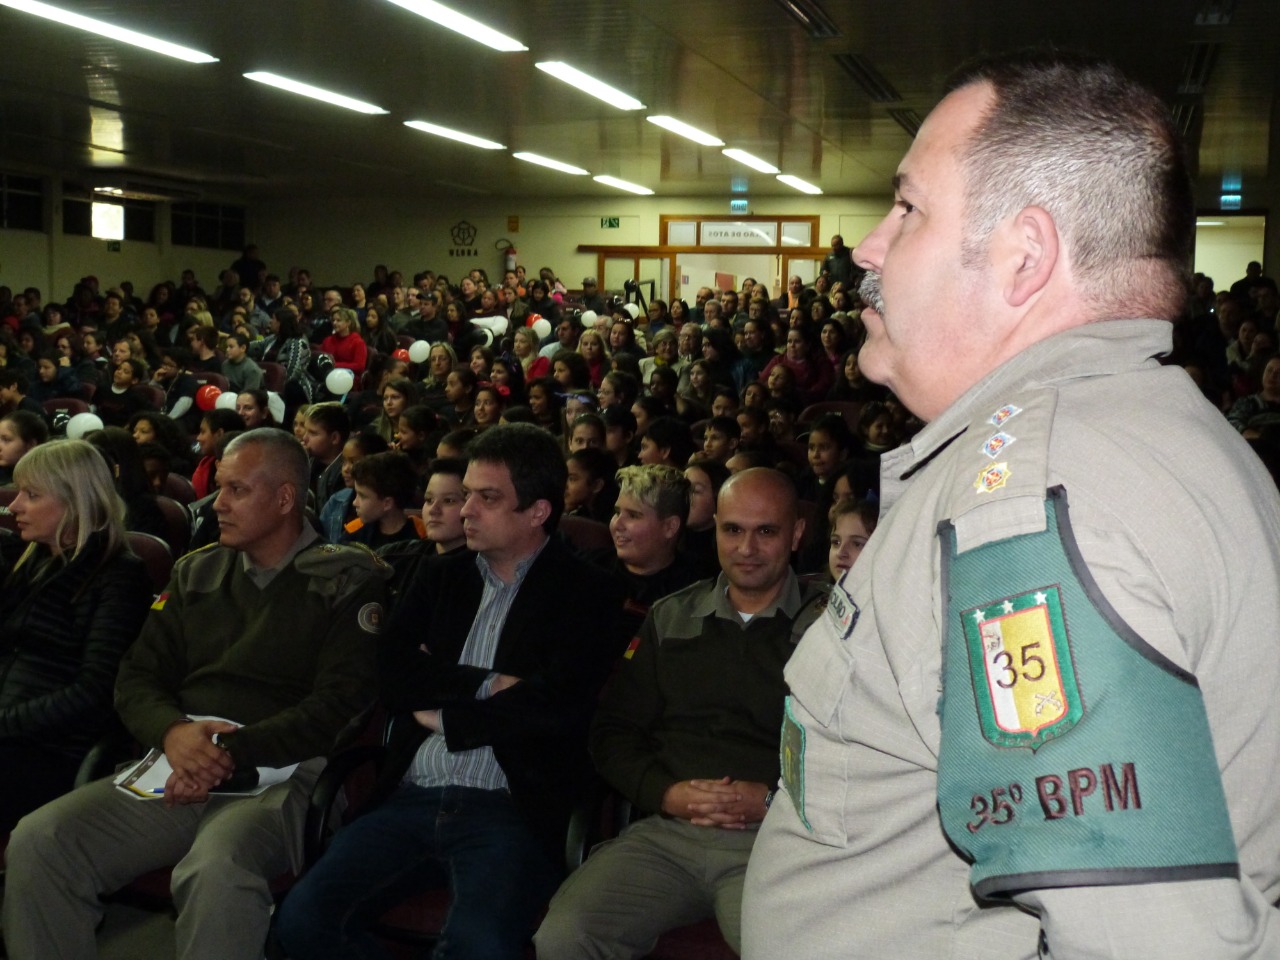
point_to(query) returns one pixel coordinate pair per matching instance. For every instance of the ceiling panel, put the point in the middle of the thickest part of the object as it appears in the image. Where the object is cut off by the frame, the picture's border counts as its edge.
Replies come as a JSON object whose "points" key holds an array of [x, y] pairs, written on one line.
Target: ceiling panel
{"points": [[743, 70]]}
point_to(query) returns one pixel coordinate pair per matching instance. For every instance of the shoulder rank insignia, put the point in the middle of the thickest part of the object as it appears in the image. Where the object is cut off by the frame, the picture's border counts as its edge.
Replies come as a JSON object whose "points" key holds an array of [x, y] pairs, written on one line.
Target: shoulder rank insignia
{"points": [[1023, 676], [1004, 413], [997, 443], [992, 478]]}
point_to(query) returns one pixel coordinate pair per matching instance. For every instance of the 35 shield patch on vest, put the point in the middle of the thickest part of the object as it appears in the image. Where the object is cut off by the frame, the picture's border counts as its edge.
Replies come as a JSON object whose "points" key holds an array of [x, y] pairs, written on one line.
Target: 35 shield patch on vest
{"points": [[1024, 681]]}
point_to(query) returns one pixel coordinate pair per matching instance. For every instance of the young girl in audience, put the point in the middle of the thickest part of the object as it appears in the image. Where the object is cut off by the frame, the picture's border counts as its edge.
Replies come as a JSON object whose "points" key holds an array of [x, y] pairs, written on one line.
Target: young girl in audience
{"points": [[214, 425], [142, 513], [20, 432], [592, 347], [397, 396], [544, 401], [852, 524], [646, 410], [453, 445], [416, 425], [148, 427], [667, 441], [754, 395], [570, 371], [590, 490], [587, 431], [506, 372], [117, 404], [481, 361], [830, 444], [254, 409], [489, 405], [781, 383], [876, 428], [460, 396], [705, 477], [377, 335], [54, 379]]}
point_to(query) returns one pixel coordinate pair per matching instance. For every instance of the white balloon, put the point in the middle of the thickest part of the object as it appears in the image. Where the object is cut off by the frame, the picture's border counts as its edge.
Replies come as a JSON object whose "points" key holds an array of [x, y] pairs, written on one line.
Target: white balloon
{"points": [[633, 310], [81, 424], [589, 319], [542, 327], [419, 351], [226, 400], [488, 337], [340, 381], [275, 406]]}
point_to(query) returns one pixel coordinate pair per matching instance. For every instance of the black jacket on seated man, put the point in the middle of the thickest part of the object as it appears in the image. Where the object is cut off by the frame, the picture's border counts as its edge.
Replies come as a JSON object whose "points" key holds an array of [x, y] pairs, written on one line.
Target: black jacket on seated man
{"points": [[562, 637]]}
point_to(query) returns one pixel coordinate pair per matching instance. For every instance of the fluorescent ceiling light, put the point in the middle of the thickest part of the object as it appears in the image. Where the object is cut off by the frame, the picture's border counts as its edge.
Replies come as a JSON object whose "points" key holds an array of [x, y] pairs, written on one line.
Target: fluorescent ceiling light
{"points": [[683, 129], [623, 185], [315, 93], [109, 30], [803, 186], [453, 135], [460, 23], [755, 163], [588, 84], [547, 162], [1211, 223]]}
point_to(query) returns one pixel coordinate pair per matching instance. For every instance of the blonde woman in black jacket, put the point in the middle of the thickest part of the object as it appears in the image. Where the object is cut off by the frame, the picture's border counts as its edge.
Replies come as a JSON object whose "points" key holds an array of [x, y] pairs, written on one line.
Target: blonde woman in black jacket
{"points": [[70, 607]]}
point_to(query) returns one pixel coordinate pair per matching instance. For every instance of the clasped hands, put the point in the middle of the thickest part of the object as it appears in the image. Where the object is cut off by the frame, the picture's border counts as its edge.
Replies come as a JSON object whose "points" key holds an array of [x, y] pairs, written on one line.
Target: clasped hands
{"points": [[198, 763], [724, 803]]}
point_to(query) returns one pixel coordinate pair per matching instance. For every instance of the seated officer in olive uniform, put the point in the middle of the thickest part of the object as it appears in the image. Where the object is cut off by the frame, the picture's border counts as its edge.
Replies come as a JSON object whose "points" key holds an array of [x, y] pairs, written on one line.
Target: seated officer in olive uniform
{"points": [[1077, 551], [687, 731]]}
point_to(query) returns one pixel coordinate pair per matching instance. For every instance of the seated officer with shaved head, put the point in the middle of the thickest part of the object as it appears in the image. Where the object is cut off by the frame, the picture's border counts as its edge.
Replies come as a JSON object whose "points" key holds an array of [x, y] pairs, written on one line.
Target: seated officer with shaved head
{"points": [[1047, 725], [688, 732]]}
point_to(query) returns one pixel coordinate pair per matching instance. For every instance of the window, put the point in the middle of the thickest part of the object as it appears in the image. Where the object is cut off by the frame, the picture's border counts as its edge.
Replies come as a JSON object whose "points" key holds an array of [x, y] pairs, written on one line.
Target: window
{"points": [[216, 225], [77, 214], [21, 202]]}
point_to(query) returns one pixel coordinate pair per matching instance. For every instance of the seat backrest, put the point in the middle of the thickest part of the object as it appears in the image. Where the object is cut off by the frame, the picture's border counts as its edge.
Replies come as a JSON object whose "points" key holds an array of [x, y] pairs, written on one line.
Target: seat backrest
{"points": [[586, 534], [177, 524], [155, 553], [208, 377], [272, 375], [68, 405], [177, 487]]}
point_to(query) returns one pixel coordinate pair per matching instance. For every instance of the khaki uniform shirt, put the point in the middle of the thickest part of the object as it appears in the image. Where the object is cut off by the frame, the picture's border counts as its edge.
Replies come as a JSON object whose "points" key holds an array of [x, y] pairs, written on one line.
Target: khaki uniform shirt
{"points": [[1180, 527]]}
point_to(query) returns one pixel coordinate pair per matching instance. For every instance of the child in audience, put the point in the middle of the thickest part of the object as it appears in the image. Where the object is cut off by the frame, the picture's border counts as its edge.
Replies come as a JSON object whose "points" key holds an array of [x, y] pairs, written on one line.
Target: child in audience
{"points": [[588, 430], [416, 425], [852, 524], [720, 438], [119, 403], [705, 477], [328, 427], [214, 425], [300, 421], [545, 402], [877, 429], [54, 379], [21, 431], [156, 465], [460, 396], [453, 445], [619, 434], [830, 443], [254, 409], [384, 485], [667, 442], [340, 509], [590, 490], [488, 407], [13, 393]]}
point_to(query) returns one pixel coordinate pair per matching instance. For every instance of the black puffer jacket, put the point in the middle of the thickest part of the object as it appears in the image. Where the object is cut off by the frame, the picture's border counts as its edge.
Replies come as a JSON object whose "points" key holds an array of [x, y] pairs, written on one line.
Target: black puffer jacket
{"points": [[61, 639]]}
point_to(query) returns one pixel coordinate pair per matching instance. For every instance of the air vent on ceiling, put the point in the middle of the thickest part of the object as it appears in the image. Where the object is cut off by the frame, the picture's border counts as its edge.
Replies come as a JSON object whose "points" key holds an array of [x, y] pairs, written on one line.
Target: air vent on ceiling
{"points": [[1215, 13], [868, 77], [908, 120], [810, 15], [1197, 68]]}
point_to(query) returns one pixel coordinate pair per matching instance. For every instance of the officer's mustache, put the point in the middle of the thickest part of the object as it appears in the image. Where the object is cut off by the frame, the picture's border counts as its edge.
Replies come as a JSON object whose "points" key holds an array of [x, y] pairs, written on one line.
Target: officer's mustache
{"points": [[869, 290]]}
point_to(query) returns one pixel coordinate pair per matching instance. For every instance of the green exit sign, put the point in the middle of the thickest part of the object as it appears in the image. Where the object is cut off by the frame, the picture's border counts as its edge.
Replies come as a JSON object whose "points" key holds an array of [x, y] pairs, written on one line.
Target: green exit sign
{"points": [[610, 223]]}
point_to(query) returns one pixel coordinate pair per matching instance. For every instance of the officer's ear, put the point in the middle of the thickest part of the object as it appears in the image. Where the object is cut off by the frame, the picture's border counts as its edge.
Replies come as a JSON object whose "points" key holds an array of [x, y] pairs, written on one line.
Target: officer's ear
{"points": [[1025, 252]]}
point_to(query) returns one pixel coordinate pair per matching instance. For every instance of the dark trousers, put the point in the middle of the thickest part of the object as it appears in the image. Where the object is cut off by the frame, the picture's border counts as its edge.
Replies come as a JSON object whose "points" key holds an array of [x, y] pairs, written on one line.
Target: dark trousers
{"points": [[473, 841]]}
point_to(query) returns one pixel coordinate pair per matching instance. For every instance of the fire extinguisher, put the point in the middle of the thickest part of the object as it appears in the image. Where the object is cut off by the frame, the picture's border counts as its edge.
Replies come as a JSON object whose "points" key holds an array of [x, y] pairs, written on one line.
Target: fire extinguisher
{"points": [[509, 258]]}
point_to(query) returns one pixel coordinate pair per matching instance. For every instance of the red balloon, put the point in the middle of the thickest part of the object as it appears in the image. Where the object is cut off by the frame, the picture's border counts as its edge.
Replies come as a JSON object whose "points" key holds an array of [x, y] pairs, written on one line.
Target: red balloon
{"points": [[207, 396], [531, 319], [401, 354]]}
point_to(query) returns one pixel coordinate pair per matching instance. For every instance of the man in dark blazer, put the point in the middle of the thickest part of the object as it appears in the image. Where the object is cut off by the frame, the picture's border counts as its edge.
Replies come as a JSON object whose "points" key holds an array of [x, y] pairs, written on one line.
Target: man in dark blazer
{"points": [[495, 657]]}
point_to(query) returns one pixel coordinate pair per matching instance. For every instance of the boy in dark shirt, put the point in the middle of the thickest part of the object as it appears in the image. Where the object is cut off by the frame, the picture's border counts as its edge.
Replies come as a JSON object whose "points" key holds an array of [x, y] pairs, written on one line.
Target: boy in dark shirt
{"points": [[384, 485]]}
